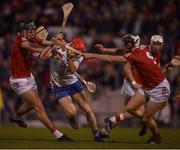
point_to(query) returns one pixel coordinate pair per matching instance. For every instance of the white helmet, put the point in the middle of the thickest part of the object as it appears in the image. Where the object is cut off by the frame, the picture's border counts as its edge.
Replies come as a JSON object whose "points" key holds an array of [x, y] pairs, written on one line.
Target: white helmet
{"points": [[137, 40], [156, 38], [133, 39]]}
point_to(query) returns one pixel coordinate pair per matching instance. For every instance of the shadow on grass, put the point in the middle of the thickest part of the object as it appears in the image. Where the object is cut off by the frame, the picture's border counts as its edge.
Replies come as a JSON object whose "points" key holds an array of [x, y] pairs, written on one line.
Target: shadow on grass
{"points": [[27, 139], [109, 141], [75, 140]]}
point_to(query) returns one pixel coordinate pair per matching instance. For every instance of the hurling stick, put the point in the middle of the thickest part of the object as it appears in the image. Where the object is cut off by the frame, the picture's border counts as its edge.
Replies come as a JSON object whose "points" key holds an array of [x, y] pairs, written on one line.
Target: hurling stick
{"points": [[91, 87], [66, 11], [41, 33], [62, 44]]}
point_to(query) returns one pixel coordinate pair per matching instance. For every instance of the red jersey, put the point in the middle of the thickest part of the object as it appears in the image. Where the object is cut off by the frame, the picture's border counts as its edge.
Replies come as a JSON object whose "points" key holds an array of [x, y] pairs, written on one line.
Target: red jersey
{"points": [[21, 58], [157, 57], [136, 76], [146, 67]]}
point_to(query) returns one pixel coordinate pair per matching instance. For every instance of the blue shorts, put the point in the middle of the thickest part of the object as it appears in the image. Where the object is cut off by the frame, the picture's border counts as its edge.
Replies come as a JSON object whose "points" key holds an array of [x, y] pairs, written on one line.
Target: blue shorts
{"points": [[68, 90]]}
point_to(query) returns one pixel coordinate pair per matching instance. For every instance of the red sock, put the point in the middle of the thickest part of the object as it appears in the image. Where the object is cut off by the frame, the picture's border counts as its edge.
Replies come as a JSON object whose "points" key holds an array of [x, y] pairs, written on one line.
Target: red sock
{"points": [[117, 118], [53, 130], [156, 134]]}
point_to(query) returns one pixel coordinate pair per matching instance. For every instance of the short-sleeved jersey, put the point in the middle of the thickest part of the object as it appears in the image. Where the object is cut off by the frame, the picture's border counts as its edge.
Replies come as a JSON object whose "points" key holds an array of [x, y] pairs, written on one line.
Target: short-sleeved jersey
{"points": [[146, 66], [136, 76], [60, 74], [21, 58], [157, 57]]}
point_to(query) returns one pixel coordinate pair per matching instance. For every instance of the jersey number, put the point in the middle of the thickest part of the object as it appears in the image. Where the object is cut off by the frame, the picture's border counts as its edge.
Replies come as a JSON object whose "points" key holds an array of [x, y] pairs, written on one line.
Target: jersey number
{"points": [[149, 55]]}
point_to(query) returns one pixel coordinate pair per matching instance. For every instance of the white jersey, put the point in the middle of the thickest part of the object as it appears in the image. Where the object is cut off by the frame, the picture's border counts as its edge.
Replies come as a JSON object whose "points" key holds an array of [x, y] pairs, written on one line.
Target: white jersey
{"points": [[59, 72]]}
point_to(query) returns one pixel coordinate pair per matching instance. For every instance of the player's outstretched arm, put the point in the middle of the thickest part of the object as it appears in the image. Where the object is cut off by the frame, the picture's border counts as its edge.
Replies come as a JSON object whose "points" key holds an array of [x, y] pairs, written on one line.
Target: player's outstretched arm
{"points": [[106, 58], [103, 49], [47, 43], [32, 46]]}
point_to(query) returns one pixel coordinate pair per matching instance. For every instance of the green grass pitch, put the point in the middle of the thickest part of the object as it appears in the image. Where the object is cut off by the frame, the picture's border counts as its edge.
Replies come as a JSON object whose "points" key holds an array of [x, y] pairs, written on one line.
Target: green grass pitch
{"points": [[15, 137]]}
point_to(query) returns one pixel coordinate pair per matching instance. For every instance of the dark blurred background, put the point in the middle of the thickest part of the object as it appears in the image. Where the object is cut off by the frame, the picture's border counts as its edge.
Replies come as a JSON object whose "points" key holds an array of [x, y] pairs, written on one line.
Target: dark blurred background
{"points": [[97, 21]]}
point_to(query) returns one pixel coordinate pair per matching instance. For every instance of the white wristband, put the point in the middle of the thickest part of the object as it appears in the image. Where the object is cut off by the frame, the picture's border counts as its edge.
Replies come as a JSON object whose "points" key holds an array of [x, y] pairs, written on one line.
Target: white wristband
{"points": [[133, 82]]}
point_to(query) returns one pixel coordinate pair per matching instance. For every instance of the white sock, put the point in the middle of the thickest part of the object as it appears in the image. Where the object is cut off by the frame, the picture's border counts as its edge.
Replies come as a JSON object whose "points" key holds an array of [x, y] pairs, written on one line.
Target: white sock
{"points": [[112, 119], [57, 134], [117, 118]]}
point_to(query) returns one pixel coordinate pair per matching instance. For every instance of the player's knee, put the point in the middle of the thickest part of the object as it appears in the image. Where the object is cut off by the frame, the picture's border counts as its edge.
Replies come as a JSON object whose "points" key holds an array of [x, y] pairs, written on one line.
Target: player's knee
{"points": [[145, 119], [130, 109]]}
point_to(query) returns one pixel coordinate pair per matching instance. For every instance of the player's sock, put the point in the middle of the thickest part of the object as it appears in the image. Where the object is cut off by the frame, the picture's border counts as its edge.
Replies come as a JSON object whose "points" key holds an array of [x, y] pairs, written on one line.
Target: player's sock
{"points": [[57, 133], [155, 139], [156, 134], [117, 118], [143, 129], [60, 136], [95, 133]]}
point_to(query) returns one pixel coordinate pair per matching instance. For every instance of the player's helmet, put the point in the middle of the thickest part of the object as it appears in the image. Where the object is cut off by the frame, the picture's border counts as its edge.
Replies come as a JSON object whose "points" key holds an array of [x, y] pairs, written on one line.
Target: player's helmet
{"points": [[130, 41], [78, 44], [137, 41], [156, 39], [31, 26]]}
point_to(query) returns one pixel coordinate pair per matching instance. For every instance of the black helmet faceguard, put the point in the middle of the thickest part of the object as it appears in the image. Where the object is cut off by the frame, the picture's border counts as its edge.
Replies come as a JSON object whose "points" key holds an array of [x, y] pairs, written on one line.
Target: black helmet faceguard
{"points": [[128, 41]]}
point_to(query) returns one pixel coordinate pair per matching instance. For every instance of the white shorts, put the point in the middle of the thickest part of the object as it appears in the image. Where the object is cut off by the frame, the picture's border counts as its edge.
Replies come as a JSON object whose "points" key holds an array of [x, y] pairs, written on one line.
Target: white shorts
{"points": [[128, 90], [22, 85], [160, 93]]}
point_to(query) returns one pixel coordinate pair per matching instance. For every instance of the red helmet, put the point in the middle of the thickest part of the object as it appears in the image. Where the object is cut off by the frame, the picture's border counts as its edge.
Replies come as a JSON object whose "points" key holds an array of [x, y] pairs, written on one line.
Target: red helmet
{"points": [[78, 44]]}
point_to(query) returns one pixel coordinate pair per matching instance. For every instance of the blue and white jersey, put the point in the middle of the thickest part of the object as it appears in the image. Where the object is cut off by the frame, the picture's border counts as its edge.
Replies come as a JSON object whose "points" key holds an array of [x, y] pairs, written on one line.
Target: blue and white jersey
{"points": [[60, 75]]}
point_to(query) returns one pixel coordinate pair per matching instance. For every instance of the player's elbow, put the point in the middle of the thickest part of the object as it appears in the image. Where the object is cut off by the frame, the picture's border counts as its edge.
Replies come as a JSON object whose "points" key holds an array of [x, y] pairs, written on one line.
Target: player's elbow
{"points": [[130, 109]]}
